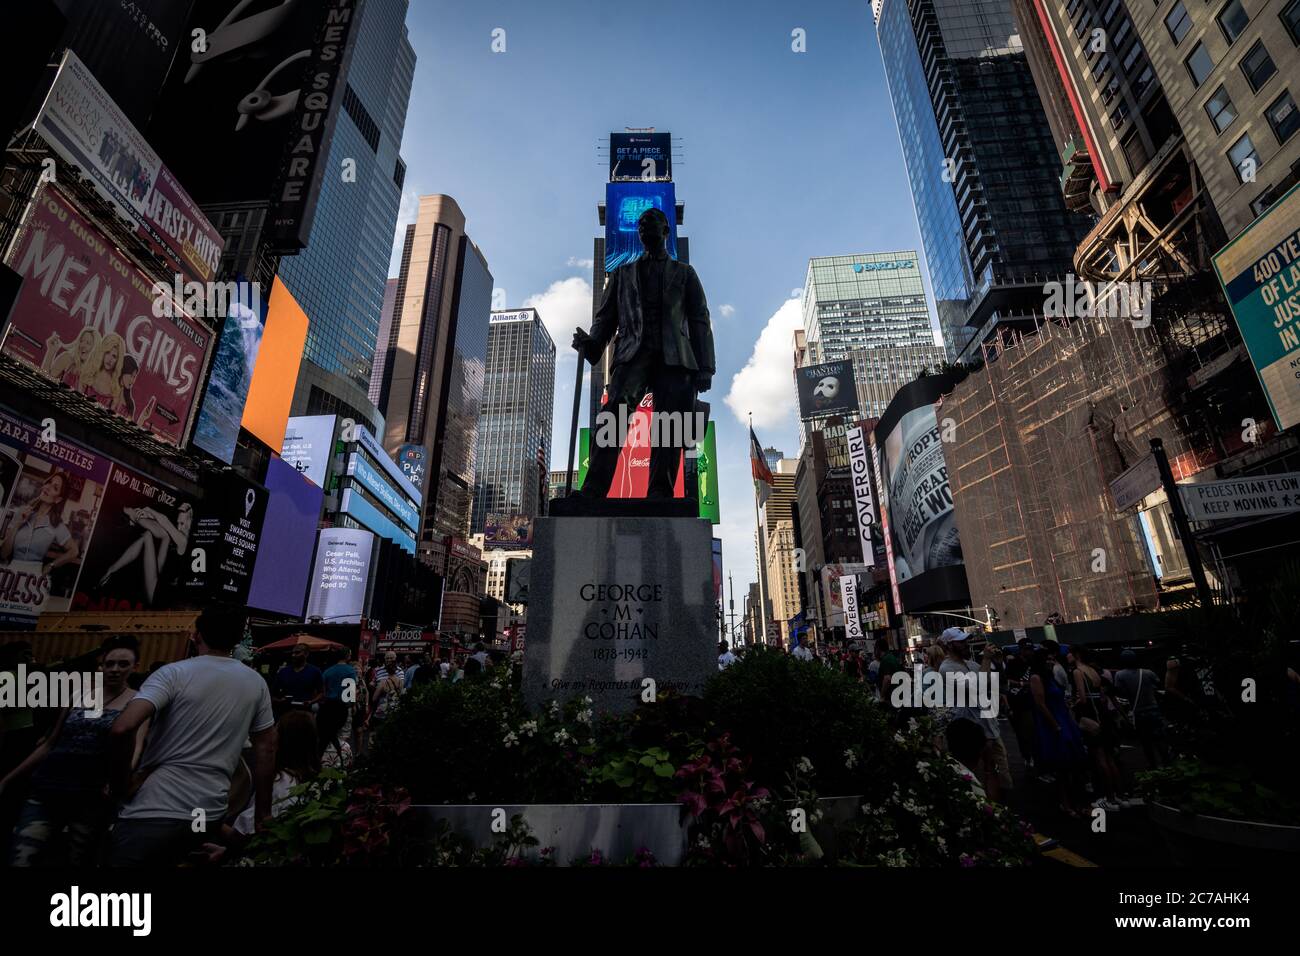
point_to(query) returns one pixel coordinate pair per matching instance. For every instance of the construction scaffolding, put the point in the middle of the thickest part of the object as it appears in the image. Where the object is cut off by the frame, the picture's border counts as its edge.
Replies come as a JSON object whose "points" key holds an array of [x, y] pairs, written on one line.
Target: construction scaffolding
{"points": [[1038, 434]]}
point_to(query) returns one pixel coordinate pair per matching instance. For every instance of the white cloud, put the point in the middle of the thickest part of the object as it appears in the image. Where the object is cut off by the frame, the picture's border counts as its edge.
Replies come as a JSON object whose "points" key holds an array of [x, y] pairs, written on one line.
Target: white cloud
{"points": [[765, 386], [564, 306], [726, 311], [580, 263]]}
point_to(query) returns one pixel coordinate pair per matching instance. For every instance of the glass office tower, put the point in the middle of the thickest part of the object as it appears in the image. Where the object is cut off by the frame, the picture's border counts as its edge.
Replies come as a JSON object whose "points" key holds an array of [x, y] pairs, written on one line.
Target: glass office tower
{"points": [[515, 420], [982, 164], [339, 278], [864, 301]]}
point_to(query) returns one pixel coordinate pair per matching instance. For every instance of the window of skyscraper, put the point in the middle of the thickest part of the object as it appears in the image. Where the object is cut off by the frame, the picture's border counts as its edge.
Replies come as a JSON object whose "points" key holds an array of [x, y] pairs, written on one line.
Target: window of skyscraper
{"points": [[1199, 64], [1232, 20], [1144, 81], [1291, 18], [1131, 57], [1177, 22], [1258, 66], [1282, 116], [1220, 108], [1242, 154]]}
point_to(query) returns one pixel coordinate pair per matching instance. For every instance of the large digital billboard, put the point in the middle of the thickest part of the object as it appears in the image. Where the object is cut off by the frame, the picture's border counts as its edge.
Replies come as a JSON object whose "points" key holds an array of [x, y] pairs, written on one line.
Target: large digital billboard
{"points": [[826, 389], [265, 84], [216, 430], [410, 458], [309, 446], [86, 317], [139, 553], [282, 570], [228, 533], [1260, 274], [340, 576], [640, 156], [82, 124], [508, 531], [624, 204], [270, 394], [926, 548], [50, 495]]}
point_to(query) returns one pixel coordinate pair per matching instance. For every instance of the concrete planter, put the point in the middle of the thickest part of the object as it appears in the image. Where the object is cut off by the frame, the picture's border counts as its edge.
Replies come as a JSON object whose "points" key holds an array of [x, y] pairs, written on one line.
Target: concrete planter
{"points": [[1193, 838], [617, 830]]}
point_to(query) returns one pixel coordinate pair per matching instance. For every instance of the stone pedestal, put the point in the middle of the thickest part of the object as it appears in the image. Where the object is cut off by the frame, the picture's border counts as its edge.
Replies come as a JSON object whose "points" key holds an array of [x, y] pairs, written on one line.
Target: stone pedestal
{"points": [[616, 600]]}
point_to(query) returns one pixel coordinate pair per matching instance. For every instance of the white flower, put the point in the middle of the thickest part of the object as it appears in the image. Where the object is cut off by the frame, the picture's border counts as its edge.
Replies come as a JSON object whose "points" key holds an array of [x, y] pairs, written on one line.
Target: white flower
{"points": [[555, 708], [511, 740], [584, 716], [912, 725], [924, 769], [495, 685], [471, 797], [850, 760], [804, 765], [528, 727], [588, 701], [561, 736]]}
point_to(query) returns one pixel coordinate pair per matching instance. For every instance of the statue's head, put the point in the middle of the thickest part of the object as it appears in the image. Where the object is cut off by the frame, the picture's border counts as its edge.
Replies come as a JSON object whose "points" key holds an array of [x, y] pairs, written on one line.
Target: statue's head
{"points": [[652, 227]]}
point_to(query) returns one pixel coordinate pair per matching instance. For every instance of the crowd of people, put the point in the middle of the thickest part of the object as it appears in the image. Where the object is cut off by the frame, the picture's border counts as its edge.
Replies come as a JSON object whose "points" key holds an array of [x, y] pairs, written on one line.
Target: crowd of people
{"points": [[1068, 715], [186, 763]]}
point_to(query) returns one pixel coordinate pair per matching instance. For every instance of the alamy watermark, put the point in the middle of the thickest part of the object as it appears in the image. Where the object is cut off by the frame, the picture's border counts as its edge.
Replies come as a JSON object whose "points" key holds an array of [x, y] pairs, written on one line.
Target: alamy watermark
{"points": [[660, 430], [1081, 298], [972, 690], [206, 300], [38, 689]]}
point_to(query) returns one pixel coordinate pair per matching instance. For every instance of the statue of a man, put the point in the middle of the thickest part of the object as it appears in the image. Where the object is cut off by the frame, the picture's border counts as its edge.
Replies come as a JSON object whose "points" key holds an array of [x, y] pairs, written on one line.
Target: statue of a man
{"points": [[664, 345]]}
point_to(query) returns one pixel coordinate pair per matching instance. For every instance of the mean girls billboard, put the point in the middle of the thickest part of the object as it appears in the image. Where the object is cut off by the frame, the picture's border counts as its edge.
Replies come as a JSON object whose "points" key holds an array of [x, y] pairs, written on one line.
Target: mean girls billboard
{"points": [[88, 318]]}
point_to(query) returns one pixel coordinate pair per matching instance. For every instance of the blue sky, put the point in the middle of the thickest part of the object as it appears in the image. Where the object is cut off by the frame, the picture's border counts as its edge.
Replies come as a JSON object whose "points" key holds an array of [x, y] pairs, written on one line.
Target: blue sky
{"points": [[784, 156]]}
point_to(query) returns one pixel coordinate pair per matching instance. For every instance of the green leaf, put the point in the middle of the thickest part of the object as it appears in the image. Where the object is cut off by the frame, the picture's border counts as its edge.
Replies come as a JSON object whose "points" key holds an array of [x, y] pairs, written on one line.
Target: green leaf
{"points": [[317, 835]]}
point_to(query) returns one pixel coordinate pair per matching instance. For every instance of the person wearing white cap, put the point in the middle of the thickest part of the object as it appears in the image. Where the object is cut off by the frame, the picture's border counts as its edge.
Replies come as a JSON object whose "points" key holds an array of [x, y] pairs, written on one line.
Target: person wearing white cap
{"points": [[997, 776]]}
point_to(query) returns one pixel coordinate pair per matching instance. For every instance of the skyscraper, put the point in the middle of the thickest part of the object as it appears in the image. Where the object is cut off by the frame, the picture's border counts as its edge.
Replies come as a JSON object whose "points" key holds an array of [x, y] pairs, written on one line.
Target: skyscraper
{"points": [[381, 341], [881, 371], [981, 161], [432, 387], [778, 527], [855, 302], [515, 417], [339, 278]]}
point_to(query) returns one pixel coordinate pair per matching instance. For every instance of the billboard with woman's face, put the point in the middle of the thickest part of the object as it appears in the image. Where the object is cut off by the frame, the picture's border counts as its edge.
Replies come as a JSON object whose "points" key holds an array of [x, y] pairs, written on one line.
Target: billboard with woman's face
{"points": [[50, 494], [88, 318]]}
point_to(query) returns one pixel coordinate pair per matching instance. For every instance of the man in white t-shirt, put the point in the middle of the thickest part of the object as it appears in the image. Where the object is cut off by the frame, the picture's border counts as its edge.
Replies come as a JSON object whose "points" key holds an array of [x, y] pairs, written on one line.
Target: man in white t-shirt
{"points": [[725, 657], [201, 710], [802, 653]]}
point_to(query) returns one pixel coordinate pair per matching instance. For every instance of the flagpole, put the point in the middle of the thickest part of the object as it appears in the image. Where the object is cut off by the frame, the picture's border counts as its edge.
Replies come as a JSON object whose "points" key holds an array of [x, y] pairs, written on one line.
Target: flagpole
{"points": [[762, 552]]}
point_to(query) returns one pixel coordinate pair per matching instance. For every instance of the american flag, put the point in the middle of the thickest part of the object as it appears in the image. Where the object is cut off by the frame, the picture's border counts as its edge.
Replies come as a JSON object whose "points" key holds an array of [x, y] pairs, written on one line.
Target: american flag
{"points": [[757, 463]]}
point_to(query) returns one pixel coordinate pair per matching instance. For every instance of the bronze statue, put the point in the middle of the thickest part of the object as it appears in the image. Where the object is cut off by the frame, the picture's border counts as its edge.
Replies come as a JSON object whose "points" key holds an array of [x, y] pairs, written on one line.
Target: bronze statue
{"points": [[664, 345]]}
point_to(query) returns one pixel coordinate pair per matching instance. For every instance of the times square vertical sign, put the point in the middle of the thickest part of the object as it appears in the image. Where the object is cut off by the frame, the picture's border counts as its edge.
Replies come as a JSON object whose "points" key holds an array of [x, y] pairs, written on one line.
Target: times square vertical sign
{"points": [[305, 152]]}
